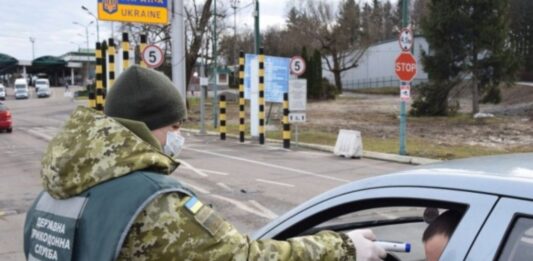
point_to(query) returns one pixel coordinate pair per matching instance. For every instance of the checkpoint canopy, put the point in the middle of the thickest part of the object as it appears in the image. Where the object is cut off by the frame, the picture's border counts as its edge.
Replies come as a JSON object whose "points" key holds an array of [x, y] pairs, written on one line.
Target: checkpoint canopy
{"points": [[7, 63], [48, 64]]}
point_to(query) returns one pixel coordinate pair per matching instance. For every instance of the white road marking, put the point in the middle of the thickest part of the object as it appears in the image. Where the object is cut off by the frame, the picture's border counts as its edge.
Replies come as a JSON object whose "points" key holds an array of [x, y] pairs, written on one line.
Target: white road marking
{"points": [[387, 216], [203, 171], [270, 165], [224, 186], [214, 172], [263, 209], [275, 183], [196, 188], [244, 207], [40, 134], [195, 170], [314, 153]]}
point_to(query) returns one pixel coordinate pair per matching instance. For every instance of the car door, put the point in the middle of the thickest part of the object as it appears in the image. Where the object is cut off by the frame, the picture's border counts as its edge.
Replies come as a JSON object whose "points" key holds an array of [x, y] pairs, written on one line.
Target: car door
{"points": [[476, 208], [507, 234]]}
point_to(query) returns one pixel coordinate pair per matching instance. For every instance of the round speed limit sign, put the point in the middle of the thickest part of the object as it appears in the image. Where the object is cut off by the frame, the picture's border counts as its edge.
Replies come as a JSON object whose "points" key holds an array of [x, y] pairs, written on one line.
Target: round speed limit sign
{"points": [[297, 65], [153, 56], [406, 39]]}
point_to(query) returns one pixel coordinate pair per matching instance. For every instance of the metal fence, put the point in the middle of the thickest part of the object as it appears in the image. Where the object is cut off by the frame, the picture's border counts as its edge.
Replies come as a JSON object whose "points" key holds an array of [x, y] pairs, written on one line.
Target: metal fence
{"points": [[377, 83]]}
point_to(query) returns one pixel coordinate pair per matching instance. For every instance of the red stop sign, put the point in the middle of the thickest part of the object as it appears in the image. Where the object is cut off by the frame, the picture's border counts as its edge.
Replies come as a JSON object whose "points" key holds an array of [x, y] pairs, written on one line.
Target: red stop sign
{"points": [[405, 67]]}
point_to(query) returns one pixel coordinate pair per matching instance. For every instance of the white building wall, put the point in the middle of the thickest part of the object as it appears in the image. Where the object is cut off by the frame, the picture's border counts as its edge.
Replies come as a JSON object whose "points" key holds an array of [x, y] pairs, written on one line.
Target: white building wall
{"points": [[376, 66]]}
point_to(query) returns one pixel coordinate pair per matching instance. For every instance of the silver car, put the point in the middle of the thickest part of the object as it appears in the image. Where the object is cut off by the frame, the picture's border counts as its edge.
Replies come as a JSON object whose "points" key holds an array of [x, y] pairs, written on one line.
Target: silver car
{"points": [[494, 195], [42, 88]]}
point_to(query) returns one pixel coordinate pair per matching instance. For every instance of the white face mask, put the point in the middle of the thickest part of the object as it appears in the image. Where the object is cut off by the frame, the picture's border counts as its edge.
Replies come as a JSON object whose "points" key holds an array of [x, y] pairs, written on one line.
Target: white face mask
{"points": [[174, 143]]}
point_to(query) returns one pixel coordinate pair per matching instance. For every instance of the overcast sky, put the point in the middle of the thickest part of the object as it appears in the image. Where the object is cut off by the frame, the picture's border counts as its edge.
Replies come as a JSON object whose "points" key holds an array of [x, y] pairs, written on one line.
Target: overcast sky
{"points": [[50, 23]]}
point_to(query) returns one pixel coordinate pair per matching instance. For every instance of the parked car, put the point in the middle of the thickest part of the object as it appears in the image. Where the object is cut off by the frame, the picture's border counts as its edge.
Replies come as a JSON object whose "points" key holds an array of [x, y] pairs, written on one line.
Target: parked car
{"points": [[21, 89], [2, 92], [5, 119], [42, 88], [494, 195]]}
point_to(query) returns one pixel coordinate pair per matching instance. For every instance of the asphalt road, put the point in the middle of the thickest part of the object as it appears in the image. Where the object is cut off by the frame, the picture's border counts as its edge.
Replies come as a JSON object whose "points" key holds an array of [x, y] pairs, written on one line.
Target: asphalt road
{"points": [[249, 184]]}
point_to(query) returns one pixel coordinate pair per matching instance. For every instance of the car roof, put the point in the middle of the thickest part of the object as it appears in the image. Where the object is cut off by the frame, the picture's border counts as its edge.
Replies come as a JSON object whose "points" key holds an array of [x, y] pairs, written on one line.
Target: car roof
{"points": [[503, 175]]}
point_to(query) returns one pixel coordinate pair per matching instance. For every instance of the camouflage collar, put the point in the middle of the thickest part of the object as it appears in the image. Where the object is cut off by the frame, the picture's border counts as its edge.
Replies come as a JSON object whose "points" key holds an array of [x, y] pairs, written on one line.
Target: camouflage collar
{"points": [[93, 148], [141, 130]]}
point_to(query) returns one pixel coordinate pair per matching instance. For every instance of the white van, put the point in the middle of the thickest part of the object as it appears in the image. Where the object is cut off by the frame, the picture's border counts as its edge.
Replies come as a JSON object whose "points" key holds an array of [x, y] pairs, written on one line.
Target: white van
{"points": [[2, 92], [21, 89], [42, 87]]}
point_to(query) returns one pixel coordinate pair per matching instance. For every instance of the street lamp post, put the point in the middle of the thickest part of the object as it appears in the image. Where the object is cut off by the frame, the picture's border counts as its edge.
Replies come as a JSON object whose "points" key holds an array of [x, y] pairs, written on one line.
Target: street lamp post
{"points": [[235, 6], [96, 19], [87, 37], [77, 45], [257, 32], [32, 40]]}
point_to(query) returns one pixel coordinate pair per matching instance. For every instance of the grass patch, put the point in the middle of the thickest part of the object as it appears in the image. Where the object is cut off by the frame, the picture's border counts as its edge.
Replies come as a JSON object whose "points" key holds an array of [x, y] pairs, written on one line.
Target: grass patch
{"points": [[421, 147], [416, 146], [457, 119], [193, 102], [378, 91]]}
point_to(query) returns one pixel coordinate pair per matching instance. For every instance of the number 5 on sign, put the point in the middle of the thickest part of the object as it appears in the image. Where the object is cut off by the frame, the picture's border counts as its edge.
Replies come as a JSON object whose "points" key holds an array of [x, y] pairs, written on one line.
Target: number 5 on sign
{"points": [[153, 56], [297, 65]]}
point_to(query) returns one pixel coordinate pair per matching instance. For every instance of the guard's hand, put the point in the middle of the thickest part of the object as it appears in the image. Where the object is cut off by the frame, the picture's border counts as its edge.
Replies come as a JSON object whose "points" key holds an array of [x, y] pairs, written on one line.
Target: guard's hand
{"points": [[365, 248]]}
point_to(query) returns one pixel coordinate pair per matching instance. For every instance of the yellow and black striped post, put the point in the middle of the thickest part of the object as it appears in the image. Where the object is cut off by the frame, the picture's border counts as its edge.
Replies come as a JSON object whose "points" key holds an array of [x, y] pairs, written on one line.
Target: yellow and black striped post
{"points": [[142, 46], [241, 97], [92, 96], [90, 88], [222, 118], [285, 121], [125, 51], [99, 76], [261, 96], [104, 49], [111, 62]]}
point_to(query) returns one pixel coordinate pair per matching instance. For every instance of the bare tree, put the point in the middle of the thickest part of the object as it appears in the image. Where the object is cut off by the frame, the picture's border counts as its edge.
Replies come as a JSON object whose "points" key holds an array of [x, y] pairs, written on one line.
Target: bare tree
{"points": [[198, 17], [420, 10], [243, 42], [336, 34]]}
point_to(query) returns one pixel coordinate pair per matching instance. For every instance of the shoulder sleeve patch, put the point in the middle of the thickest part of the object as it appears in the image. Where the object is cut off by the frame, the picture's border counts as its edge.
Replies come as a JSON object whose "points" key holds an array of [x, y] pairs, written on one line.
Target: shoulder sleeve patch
{"points": [[204, 215], [209, 220], [193, 205]]}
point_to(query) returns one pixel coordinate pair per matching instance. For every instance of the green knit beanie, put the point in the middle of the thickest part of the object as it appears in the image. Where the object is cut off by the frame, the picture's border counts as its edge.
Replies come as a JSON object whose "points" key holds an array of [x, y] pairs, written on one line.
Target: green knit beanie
{"points": [[145, 95]]}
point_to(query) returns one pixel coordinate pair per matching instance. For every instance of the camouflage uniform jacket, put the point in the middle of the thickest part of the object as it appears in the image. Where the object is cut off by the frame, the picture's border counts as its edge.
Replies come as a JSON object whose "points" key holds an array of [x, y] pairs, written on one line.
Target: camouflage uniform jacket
{"points": [[93, 148]]}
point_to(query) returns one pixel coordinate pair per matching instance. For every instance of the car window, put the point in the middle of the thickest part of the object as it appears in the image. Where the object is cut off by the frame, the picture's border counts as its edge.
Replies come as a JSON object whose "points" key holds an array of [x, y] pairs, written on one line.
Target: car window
{"points": [[405, 224], [41, 82], [519, 243], [20, 86]]}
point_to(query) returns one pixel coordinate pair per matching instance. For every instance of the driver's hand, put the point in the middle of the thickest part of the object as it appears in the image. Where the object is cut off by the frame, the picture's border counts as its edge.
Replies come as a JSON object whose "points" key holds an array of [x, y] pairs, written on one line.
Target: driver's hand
{"points": [[365, 248]]}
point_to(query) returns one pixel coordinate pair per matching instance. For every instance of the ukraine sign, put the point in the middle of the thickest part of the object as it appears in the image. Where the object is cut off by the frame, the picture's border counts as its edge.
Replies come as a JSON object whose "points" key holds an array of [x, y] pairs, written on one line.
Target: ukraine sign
{"points": [[134, 11]]}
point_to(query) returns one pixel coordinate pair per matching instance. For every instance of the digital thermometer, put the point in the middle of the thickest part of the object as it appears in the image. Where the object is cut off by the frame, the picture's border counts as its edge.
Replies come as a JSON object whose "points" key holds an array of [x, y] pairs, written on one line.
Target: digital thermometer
{"points": [[394, 246]]}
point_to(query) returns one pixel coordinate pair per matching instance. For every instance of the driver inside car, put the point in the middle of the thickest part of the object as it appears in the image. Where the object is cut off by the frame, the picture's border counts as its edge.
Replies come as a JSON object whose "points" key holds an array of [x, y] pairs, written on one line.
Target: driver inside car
{"points": [[438, 233]]}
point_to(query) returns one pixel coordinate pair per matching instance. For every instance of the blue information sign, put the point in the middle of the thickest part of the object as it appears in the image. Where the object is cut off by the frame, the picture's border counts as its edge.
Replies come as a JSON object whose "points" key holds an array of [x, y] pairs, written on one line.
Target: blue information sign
{"points": [[276, 77]]}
